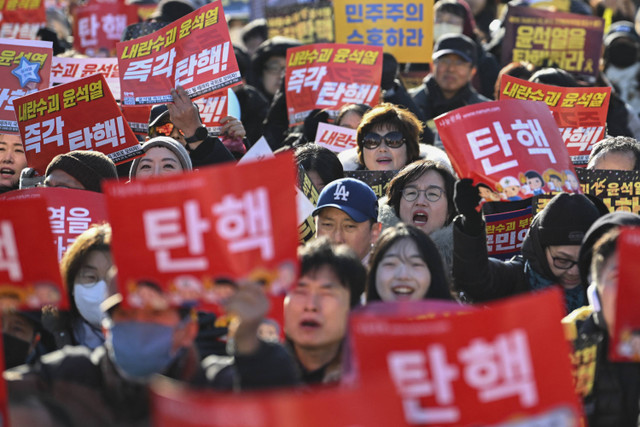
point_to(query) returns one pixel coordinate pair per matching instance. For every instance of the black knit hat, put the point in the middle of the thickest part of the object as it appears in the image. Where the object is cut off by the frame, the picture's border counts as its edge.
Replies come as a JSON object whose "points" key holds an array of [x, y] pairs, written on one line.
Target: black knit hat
{"points": [[88, 167], [566, 219]]}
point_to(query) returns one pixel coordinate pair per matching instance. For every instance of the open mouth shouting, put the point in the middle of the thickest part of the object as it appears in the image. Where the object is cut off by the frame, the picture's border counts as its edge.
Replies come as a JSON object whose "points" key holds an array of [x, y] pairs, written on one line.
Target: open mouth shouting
{"points": [[420, 218]]}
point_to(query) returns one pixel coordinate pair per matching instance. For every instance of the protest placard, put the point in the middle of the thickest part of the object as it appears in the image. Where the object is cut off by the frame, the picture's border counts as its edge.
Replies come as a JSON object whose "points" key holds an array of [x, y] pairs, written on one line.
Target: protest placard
{"points": [[190, 233], [308, 23], [336, 138], [328, 76], [377, 180], [194, 52], [403, 28], [65, 70], [25, 67], [213, 107], [81, 115], [553, 39], [175, 404], [70, 211], [618, 190], [506, 231], [581, 113], [483, 367], [22, 19], [624, 345], [99, 24], [307, 229], [508, 146], [29, 274], [138, 118]]}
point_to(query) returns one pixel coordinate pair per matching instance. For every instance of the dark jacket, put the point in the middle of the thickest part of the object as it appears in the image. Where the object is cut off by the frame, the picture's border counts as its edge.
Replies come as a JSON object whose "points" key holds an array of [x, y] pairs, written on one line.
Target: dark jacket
{"points": [[210, 152], [90, 387], [432, 102], [253, 107], [481, 278], [610, 391]]}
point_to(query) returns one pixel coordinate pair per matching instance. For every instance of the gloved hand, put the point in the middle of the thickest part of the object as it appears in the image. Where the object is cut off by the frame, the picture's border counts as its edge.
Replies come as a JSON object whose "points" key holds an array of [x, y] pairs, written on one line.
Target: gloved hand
{"points": [[466, 198]]}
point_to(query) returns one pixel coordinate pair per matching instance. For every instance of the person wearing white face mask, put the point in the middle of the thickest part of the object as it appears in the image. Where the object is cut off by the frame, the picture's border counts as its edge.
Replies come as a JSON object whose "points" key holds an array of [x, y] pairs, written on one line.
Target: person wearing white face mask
{"points": [[84, 267]]}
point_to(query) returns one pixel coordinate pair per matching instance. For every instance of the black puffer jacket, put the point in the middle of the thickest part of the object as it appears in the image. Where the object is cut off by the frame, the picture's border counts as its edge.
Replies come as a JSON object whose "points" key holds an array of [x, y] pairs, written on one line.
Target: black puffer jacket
{"points": [[429, 98]]}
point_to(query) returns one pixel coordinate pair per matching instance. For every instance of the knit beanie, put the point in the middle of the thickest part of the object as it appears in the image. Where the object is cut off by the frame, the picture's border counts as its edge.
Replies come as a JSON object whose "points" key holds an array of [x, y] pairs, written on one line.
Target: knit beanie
{"points": [[169, 143], [88, 167], [566, 219]]}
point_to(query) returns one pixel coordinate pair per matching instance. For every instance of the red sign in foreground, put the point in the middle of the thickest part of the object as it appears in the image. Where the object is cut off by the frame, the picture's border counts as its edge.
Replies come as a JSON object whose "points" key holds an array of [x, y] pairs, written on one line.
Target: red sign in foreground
{"points": [[29, 274], [193, 233], [194, 52], [479, 368], [81, 115], [509, 145]]}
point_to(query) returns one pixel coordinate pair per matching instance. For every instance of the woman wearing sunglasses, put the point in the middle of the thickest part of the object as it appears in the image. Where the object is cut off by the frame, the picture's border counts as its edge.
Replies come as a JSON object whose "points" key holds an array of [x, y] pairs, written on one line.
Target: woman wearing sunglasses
{"points": [[388, 138], [421, 194]]}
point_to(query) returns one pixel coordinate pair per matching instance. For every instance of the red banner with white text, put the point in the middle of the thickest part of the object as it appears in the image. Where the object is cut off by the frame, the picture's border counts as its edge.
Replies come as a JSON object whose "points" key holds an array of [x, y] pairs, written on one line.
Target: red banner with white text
{"points": [[22, 19], [81, 115], [99, 24], [483, 367], [194, 52], [29, 274], [65, 70], [193, 236], [328, 76], [508, 145], [581, 113]]}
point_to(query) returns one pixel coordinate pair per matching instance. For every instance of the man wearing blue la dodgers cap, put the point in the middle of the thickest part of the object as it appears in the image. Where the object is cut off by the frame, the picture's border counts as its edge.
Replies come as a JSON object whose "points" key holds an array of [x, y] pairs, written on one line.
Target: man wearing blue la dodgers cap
{"points": [[347, 212]]}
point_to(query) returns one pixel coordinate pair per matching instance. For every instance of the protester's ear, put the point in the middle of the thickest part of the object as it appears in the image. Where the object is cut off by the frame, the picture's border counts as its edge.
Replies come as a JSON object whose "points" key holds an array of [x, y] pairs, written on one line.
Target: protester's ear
{"points": [[376, 229]]}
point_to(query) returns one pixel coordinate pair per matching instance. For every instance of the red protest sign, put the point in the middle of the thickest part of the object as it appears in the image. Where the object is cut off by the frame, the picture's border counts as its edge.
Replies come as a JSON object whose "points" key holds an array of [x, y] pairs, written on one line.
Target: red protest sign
{"points": [[624, 345], [29, 274], [174, 404], [70, 211], [581, 113], [81, 115], [509, 145], [99, 24], [336, 138], [65, 70], [194, 52], [22, 19], [213, 107], [25, 67], [328, 75], [506, 232], [480, 368], [138, 118], [189, 232]]}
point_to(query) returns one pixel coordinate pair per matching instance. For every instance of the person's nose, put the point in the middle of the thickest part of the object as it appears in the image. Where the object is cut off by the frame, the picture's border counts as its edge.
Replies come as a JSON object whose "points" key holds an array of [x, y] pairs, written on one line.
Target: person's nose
{"points": [[311, 302], [337, 236]]}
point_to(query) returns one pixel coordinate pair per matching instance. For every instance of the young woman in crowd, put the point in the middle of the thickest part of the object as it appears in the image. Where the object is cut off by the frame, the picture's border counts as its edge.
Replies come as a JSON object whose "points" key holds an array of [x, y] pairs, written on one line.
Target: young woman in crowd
{"points": [[162, 156], [406, 266]]}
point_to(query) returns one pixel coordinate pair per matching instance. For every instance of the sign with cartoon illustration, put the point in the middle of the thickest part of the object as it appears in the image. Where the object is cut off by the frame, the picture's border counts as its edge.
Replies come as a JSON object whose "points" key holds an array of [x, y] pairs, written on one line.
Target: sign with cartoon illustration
{"points": [[194, 238], [580, 112], [512, 148], [29, 273], [25, 67]]}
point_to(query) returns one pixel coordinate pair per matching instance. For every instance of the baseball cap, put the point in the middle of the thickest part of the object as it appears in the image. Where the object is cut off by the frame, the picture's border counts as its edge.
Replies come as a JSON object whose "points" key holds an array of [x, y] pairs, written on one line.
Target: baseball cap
{"points": [[458, 44], [157, 113], [352, 196]]}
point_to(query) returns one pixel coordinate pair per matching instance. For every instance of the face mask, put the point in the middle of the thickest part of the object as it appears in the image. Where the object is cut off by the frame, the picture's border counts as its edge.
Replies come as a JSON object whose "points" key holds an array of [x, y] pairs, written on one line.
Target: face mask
{"points": [[141, 349], [442, 28], [88, 299], [15, 351]]}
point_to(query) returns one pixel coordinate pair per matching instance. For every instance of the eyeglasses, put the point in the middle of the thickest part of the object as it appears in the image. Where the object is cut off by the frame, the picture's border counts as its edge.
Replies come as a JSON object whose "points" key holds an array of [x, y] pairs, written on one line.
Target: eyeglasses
{"points": [[393, 139], [433, 193], [563, 263], [165, 129]]}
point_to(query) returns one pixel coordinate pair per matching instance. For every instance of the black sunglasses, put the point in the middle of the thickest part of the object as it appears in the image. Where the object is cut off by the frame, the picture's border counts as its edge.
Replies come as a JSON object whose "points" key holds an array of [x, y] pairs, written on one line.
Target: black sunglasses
{"points": [[393, 139]]}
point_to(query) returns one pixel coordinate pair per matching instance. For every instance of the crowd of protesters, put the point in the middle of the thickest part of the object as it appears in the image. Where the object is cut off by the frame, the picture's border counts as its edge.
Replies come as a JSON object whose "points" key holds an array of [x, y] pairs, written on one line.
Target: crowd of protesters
{"points": [[425, 239]]}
